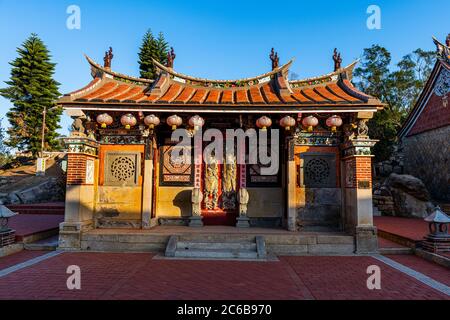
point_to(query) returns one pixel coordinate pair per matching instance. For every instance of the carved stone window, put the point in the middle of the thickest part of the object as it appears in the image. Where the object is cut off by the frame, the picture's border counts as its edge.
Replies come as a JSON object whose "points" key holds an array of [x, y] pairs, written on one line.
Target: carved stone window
{"points": [[122, 168], [318, 170]]}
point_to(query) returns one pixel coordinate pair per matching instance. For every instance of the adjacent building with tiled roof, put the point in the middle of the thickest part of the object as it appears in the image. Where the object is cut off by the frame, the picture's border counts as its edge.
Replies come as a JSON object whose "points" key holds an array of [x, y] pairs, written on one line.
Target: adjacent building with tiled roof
{"points": [[425, 135]]}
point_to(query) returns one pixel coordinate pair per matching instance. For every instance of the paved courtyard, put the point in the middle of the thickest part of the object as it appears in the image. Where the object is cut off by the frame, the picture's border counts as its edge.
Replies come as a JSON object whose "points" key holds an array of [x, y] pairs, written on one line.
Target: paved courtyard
{"points": [[144, 276]]}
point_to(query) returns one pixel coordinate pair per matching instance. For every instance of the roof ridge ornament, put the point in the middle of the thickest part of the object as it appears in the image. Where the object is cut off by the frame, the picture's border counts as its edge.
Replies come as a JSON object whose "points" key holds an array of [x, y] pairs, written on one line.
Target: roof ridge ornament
{"points": [[170, 58], [274, 58], [443, 50], [337, 60], [108, 58]]}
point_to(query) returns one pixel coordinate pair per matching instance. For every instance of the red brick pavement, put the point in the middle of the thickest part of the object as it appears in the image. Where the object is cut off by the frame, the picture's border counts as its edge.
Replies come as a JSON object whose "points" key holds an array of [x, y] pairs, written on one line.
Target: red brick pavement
{"points": [[27, 224], [138, 276], [433, 270], [24, 255], [385, 243], [411, 228], [345, 278]]}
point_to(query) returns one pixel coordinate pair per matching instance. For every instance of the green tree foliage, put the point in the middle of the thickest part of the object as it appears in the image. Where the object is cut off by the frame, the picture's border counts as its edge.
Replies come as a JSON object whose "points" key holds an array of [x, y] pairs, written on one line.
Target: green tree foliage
{"points": [[4, 150], [152, 48], [399, 89], [31, 88], [162, 47]]}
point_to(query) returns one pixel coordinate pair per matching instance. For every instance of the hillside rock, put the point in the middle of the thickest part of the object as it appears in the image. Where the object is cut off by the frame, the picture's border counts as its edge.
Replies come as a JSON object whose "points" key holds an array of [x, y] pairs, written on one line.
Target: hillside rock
{"points": [[410, 196]]}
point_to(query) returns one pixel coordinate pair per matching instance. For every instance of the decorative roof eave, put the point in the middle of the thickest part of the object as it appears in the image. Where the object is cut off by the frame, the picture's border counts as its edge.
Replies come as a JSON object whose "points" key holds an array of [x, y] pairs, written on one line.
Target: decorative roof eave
{"points": [[326, 78], [211, 108], [98, 70], [181, 76], [424, 96]]}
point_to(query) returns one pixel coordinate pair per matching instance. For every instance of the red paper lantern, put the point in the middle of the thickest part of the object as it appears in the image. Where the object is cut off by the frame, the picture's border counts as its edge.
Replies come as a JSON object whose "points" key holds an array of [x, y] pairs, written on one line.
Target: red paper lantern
{"points": [[264, 122], [151, 121], [128, 120], [310, 122], [287, 122], [174, 121], [104, 120], [333, 122], [196, 121]]}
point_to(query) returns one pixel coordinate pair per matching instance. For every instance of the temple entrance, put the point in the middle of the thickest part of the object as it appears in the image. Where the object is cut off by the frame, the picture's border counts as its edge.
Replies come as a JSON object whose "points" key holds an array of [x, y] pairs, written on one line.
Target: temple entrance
{"points": [[219, 183]]}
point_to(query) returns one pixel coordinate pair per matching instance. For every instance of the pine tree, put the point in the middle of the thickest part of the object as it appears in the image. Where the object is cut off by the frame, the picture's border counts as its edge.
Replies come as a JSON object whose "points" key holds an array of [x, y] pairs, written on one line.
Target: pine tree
{"points": [[162, 48], [152, 48], [31, 88], [146, 53]]}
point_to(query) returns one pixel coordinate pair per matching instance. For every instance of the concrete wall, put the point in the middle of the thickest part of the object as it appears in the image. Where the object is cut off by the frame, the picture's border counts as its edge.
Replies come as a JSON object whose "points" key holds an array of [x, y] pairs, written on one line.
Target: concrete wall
{"points": [[427, 156]]}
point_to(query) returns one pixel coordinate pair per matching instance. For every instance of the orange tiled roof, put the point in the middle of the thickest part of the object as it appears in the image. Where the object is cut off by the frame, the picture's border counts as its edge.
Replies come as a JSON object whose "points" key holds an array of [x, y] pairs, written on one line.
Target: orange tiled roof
{"points": [[172, 88]]}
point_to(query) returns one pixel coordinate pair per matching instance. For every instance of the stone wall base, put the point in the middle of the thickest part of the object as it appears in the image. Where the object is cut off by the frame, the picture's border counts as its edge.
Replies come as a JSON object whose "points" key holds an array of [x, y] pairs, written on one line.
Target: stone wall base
{"points": [[70, 234], [366, 240]]}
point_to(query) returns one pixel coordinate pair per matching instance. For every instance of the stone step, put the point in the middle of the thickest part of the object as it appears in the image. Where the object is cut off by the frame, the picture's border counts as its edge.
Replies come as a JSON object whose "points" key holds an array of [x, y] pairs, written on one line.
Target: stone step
{"points": [[218, 237], [217, 254], [388, 251], [204, 249], [49, 244], [183, 245], [37, 209]]}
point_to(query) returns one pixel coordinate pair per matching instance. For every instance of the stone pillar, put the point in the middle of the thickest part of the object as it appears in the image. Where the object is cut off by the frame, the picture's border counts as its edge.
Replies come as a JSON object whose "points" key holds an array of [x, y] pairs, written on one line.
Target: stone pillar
{"points": [[291, 181], [82, 181], [357, 177], [195, 220], [147, 187], [243, 220]]}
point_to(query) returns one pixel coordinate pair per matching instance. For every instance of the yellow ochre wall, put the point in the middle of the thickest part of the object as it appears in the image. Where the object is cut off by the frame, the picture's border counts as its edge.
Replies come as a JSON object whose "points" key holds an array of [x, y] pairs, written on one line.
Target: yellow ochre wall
{"points": [[118, 204]]}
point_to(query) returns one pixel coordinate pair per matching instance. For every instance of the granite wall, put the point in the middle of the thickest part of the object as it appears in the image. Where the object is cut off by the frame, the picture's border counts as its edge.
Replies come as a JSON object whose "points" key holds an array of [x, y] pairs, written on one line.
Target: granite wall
{"points": [[427, 156]]}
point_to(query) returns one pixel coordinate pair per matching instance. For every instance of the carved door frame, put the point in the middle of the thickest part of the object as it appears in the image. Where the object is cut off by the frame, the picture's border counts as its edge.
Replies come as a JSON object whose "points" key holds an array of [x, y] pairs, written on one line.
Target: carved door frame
{"points": [[219, 215]]}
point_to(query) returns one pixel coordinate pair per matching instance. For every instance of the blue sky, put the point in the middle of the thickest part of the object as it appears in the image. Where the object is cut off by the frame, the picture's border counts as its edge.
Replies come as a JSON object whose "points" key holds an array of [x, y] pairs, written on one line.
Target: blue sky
{"points": [[216, 39]]}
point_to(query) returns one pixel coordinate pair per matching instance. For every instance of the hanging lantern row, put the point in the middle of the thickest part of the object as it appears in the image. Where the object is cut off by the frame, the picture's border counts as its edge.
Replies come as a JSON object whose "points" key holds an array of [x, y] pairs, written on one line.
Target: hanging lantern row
{"points": [[311, 122], [129, 120]]}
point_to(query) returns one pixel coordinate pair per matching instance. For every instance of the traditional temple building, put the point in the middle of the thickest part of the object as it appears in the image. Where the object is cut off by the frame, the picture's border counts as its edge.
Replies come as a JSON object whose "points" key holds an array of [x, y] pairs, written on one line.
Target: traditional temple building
{"points": [[122, 174], [427, 129]]}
